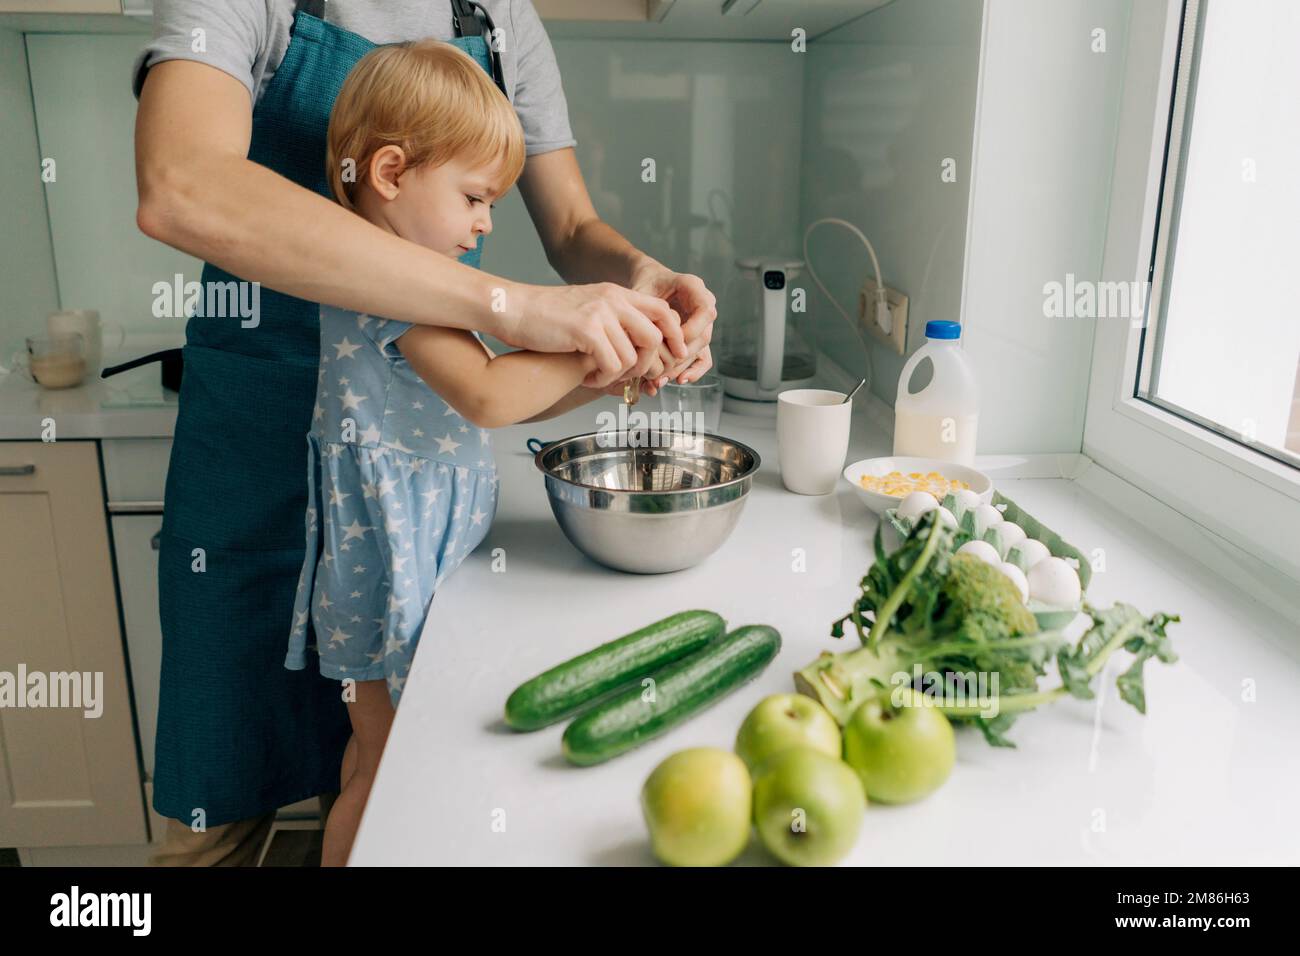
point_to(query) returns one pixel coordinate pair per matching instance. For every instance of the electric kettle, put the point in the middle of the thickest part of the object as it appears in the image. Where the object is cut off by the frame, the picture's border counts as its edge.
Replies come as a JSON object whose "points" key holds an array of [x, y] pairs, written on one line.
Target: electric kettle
{"points": [[762, 335]]}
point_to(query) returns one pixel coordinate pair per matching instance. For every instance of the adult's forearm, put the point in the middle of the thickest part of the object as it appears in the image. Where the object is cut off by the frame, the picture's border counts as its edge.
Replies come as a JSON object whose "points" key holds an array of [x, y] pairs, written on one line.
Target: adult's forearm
{"points": [[247, 219], [597, 252]]}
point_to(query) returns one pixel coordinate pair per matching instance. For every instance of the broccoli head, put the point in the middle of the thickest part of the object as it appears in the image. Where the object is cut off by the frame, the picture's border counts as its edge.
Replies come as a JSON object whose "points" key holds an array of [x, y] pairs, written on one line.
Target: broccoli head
{"points": [[977, 602]]}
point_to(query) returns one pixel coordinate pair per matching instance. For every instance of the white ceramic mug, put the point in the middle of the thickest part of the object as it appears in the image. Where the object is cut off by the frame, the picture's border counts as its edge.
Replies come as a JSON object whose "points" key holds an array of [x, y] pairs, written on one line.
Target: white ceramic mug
{"points": [[85, 322], [812, 438]]}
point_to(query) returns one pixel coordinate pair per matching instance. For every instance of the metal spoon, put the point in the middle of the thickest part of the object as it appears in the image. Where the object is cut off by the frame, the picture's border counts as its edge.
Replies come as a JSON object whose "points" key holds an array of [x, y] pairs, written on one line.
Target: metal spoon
{"points": [[849, 397]]}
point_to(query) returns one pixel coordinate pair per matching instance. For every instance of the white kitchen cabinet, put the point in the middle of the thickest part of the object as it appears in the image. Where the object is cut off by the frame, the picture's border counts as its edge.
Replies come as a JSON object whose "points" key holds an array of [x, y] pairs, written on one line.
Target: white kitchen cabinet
{"points": [[65, 778], [135, 473]]}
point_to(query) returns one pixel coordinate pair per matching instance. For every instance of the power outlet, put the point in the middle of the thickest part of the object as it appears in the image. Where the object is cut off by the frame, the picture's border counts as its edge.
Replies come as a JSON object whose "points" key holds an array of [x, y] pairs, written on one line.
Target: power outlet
{"points": [[896, 335]]}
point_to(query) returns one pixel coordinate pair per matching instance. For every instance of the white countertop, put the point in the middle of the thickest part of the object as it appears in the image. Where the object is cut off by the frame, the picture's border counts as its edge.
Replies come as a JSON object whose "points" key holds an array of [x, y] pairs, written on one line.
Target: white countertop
{"points": [[1204, 778], [131, 404]]}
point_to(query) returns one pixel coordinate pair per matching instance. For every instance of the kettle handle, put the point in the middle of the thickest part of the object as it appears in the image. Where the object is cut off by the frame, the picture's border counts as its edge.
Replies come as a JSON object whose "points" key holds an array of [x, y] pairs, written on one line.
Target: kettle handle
{"points": [[771, 353], [142, 360]]}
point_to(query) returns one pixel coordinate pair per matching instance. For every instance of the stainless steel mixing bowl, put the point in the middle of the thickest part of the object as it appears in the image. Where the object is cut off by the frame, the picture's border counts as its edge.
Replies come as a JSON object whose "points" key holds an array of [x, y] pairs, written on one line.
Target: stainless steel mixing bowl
{"points": [[647, 507]]}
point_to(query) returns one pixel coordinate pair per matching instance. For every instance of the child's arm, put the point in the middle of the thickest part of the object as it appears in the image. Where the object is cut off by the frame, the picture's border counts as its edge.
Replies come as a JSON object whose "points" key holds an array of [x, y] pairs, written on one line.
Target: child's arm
{"points": [[578, 397], [575, 399], [491, 391]]}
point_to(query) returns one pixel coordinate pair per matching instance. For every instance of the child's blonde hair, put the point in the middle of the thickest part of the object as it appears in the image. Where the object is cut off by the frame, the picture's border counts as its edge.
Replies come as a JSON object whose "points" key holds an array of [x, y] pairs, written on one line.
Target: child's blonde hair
{"points": [[431, 99]]}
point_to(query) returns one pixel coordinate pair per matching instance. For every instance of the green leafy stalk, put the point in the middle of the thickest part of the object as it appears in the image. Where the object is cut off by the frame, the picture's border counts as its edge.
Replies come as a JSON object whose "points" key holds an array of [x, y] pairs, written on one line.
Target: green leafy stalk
{"points": [[1119, 626], [900, 592]]}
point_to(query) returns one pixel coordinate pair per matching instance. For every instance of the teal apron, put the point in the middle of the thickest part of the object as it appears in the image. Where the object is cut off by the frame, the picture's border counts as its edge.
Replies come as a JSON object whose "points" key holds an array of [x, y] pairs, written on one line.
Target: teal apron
{"points": [[239, 735]]}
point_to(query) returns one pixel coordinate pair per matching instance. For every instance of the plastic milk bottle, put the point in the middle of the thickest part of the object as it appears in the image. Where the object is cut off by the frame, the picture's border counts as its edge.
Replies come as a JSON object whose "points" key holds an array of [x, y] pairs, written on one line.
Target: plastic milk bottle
{"points": [[940, 420]]}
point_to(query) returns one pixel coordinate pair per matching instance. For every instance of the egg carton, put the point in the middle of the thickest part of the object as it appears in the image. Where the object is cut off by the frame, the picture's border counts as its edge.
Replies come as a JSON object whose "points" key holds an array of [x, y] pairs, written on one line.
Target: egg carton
{"points": [[1048, 616]]}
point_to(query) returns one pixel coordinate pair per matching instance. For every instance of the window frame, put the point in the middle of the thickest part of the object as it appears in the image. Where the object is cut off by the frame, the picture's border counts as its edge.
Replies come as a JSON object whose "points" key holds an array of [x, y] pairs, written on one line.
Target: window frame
{"points": [[1248, 498], [1151, 343]]}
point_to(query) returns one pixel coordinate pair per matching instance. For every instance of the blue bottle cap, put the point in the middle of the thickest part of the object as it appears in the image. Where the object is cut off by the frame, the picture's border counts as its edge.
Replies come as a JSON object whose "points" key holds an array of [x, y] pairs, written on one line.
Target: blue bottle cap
{"points": [[943, 330]]}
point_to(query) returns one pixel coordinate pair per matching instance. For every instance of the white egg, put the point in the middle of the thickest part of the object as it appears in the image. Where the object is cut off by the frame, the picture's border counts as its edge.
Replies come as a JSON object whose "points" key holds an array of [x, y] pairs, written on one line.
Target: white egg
{"points": [[1017, 578], [1033, 551], [1055, 583], [1010, 534], [982, 550], [947, 517], [986, 516], [916, 504], [967, 498]]}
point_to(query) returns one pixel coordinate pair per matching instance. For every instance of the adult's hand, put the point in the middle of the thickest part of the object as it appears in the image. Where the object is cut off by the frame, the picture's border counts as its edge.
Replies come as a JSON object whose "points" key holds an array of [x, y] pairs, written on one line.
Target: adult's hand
{"points": [[697, 307], [626, 331]]}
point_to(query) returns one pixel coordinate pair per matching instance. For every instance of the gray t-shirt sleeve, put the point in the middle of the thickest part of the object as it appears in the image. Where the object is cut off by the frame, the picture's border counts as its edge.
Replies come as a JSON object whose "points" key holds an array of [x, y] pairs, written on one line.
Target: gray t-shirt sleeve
{"points": [[232, 36], [538, 95]]}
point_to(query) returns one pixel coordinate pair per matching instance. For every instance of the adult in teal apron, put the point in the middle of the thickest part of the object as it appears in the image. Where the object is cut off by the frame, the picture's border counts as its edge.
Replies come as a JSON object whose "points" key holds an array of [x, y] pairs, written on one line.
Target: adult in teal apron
{"points": [[239, 734]]}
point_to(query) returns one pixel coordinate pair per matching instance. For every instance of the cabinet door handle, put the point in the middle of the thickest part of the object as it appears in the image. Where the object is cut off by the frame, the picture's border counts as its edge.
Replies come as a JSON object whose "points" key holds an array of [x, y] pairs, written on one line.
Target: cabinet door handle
{"points": [[156, 541], [17, 469]]}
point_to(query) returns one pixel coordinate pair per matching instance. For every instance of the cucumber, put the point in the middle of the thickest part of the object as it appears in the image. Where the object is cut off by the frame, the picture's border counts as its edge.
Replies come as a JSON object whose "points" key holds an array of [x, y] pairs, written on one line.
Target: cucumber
{"points": [[566, 688], [680, 690]]}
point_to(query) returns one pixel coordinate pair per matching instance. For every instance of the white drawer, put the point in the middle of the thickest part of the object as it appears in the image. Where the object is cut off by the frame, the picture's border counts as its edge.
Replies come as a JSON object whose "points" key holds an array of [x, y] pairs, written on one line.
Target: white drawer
{"points": [[135, 471]]}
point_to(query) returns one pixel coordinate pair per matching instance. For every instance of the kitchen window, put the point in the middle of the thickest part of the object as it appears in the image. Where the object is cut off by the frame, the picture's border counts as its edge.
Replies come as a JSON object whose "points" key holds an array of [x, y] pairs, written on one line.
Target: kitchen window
{"points": [[1194, 399], [1222, 344]]}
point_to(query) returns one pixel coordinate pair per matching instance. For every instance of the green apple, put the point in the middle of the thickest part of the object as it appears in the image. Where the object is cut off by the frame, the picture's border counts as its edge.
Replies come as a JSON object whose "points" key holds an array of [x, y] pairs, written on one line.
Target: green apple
{"points": [[698, 807], [782, 721], [901, 748], [808, 807]]}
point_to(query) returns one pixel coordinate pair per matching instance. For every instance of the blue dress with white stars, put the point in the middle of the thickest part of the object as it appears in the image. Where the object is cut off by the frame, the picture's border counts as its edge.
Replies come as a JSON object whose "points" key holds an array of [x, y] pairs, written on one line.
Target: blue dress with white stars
{"points": [[400, 489]]}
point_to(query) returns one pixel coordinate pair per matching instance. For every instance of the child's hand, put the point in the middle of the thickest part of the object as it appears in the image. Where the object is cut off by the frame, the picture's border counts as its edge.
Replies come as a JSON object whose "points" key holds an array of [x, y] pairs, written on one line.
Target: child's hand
{"points": [[653, 379]]}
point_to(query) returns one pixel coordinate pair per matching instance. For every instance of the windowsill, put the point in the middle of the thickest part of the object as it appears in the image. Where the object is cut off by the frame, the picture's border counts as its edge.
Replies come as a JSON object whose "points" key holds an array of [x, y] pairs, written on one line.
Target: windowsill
{"points": [[1255, 465]]}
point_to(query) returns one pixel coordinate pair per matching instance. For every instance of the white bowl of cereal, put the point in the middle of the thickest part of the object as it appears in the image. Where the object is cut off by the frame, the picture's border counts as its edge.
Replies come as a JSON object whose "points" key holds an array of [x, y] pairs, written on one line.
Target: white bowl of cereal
{"points": [[882, 483]]}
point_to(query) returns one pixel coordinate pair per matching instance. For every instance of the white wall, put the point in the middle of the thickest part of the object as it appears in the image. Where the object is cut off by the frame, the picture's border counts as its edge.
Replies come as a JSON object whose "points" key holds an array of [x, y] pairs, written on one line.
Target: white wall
{"points": [[889, 98], [1044, 146], [85, 116], [27, 282], [1010, 90]]}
